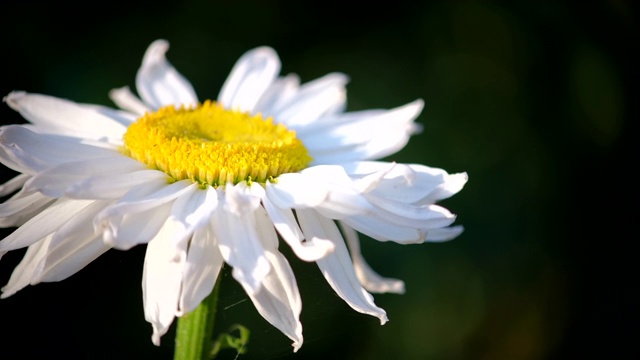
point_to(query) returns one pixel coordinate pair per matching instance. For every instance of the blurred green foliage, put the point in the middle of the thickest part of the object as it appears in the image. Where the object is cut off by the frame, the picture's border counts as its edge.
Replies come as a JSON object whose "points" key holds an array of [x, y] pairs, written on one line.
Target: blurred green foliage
{"points": [[533, 99]]}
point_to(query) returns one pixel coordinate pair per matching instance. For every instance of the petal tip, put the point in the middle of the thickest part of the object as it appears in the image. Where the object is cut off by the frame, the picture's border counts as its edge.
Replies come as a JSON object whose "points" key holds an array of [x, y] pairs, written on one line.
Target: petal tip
{"points": [[155, 339], [297, 345], [155, 51], [13, 98]]}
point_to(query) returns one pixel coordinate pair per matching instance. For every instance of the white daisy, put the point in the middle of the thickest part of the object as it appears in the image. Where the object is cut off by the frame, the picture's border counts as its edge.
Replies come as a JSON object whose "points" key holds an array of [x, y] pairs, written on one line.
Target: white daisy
{"points": [[207, 183]]}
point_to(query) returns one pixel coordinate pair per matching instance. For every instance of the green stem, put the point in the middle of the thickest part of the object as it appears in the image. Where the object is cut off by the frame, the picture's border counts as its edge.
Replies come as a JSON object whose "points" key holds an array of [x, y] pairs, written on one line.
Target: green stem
{"points": [[194, 335]]}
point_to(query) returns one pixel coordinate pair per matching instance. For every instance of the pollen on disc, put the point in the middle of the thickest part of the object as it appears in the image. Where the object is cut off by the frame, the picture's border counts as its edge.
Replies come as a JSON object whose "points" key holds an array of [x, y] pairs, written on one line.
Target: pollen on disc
{"points": [[214, 146]]}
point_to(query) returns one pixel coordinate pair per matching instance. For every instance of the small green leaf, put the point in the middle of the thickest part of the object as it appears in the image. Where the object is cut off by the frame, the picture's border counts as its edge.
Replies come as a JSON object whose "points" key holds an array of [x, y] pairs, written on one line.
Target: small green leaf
{"points": [[236, 337]]}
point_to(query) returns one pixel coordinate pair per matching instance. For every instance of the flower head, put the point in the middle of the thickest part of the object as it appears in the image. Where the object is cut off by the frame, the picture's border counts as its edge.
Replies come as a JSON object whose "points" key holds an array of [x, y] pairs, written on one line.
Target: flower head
{"points": [[204, 183]]}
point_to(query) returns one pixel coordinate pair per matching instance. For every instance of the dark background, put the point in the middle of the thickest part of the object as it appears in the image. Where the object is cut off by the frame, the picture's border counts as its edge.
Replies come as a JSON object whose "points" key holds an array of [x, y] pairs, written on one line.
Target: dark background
{"points": [[535, 100]]}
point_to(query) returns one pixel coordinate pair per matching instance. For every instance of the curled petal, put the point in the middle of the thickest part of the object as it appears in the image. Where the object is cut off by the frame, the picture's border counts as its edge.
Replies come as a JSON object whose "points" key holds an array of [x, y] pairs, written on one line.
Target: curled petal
{"points": [[369, 279], [427, 216], [416, 184], [381, 230], [167, 260], [285, 223], [444, 234], [250, 77], [336, 267], [125, 99], [159, 83], [452, 184], [278, 299]]}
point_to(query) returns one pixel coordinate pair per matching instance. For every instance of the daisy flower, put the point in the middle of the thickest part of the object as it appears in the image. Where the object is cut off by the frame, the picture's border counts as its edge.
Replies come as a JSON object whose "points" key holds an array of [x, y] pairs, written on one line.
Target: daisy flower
{"points": [[204, 183]]}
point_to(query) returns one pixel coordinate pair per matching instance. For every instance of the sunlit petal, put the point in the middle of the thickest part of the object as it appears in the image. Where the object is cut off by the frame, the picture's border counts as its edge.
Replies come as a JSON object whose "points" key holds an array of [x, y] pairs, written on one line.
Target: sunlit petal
{"points": [[249, 79], [159, 83]]}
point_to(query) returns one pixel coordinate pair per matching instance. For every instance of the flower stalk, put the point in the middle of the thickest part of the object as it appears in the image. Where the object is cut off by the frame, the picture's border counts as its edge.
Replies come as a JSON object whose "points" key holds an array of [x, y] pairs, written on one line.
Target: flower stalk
{"points": [[194, 334]]}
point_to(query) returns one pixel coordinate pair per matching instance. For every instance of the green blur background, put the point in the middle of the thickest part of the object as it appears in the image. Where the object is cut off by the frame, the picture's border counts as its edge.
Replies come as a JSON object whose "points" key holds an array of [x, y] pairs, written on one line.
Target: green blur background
{"points": [[534, 99]]}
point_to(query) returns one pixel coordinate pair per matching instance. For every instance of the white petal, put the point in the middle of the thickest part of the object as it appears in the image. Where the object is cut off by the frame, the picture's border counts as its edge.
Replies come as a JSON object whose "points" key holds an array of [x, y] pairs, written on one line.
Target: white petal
{"points": [[361, 129], [444, 234], [35, 152], [342, 199], [113, 186], [150, 201], [28, 269], [22, 201], [133, 220], [55, 180], [64, 117], [64, 265], [313, 100], [336, 266], [343, 202], [424, 216], [164, 264], [377, 148], [238, 238], [295, 190], [406, 183], [451, 185], [285, 223], [333, 174], [370, 181], [128, 230], [280, 91], [345, 154], [278, 300], [191, 210], [249, 79], [358, 202], [43, 224], [369, 279], [125, 99], [166, 258], [159, 83], [201, 270], [14, 184], [381, 230], [8, 159], [20, 217], [287, 289], [73, 246]]}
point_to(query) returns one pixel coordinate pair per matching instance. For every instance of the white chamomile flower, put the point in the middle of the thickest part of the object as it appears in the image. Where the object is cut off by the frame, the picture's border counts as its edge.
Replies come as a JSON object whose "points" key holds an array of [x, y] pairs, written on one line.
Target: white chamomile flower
{"points": [[204, 183]]}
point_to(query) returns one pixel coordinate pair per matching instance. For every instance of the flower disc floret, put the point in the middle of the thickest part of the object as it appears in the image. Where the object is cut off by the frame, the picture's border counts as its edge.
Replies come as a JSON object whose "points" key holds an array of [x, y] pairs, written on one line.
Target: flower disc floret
{"points": [[214, 146]]}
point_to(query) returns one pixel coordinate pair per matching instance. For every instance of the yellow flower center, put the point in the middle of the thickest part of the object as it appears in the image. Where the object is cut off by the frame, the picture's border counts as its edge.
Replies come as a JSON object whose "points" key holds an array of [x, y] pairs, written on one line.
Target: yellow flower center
{"points": [[214, 146]]}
